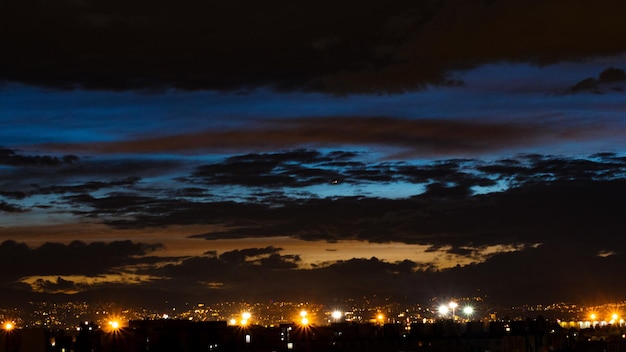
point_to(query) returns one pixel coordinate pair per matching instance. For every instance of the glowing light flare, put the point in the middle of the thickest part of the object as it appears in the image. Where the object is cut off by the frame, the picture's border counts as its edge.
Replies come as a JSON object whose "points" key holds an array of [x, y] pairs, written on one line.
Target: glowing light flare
{"points": [[593, 316], [336, 315], [304, 320], [468, 310], [380, 317], [245, 319], [8, 326], [113, 325], [443, 309], [453, 306]]}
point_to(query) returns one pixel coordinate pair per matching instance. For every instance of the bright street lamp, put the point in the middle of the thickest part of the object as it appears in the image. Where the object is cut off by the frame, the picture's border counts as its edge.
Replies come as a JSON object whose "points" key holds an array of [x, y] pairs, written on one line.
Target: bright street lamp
{"points": [[468, 311], [304, 321], [245, 318], [443, 310], [336, 315], [453, 306]]}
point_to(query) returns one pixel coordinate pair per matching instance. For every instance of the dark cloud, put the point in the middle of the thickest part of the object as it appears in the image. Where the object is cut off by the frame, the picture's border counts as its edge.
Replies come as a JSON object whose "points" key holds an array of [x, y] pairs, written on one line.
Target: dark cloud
{"points": [[276, 277], [59, 285], [530, 199], [77, 258], [542, 274], [568, 205], [29, 176], [439, 190], [285, 169], [531, 274], [12, 158], [112, 45], [13, 194], [326, 46], [29, 169], [91, 186], [409, 137], [241, 255], [10, 208], [611, 79]]}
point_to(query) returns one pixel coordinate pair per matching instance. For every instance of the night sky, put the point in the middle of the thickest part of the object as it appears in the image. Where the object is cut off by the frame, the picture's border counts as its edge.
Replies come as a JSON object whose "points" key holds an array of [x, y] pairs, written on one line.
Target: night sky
{"points": [[313, 151]]}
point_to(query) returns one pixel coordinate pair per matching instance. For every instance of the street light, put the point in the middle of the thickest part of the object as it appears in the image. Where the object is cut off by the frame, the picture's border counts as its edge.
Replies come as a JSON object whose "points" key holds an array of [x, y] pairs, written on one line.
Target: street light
{"points": [[443, 310], [245, 318], [468, 311], [114, 326], [453, 306], [304, 321], [336, 315], [8, 336]]}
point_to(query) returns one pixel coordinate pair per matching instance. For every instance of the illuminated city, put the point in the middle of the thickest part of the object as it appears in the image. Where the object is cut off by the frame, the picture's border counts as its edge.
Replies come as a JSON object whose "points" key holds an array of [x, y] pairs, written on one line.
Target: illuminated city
{"points": [[584, 327], [276, 176]]}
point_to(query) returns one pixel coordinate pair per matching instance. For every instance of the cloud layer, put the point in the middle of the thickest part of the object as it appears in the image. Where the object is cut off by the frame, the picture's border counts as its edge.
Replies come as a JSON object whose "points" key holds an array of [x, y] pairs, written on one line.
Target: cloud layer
{"points": [[539, 207], [325, 46], [464, 133]]}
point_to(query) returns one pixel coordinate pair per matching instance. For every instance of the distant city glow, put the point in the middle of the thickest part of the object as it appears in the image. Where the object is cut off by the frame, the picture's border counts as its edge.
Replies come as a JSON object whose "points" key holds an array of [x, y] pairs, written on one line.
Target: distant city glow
{"points": [[8, 326], [443, 309]]}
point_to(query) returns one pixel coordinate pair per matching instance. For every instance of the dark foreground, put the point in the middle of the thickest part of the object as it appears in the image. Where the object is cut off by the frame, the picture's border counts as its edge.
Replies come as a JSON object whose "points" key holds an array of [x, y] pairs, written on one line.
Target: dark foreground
{"points": [[445, 335]]}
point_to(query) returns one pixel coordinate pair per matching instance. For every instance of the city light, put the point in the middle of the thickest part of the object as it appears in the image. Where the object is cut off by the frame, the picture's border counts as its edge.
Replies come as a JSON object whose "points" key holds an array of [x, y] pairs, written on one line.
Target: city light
{"points": [[245, 318], [468, 311], [8, 326], [113, 326], [336, 315], [304, 321], [380, 317], [593, 316], [443, 310], [453, 306]]}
